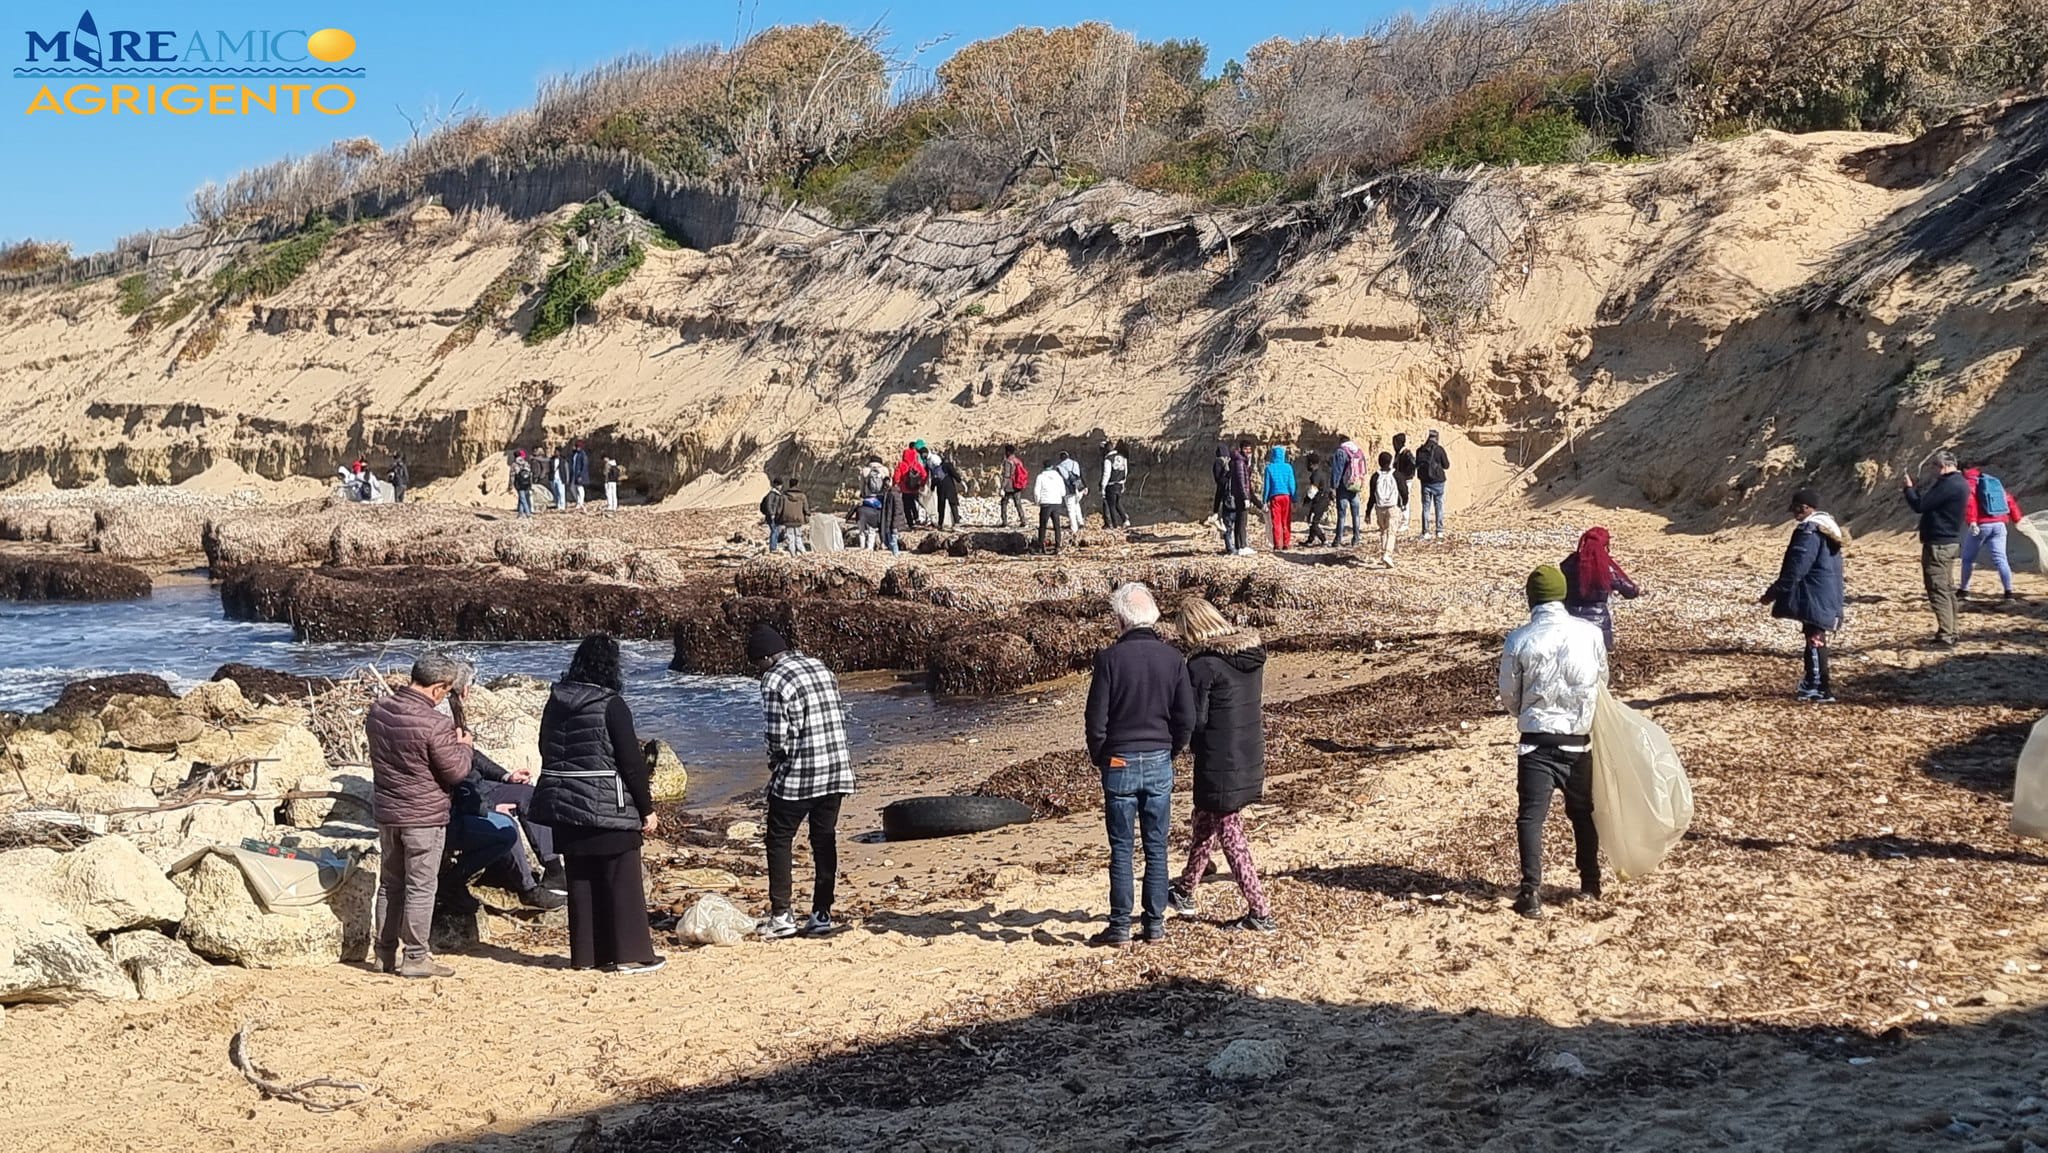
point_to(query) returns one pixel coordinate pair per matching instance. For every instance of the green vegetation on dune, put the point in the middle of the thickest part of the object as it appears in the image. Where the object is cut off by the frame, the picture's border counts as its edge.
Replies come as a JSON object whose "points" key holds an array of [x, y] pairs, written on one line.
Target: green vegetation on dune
{"points": [[272, 268]]}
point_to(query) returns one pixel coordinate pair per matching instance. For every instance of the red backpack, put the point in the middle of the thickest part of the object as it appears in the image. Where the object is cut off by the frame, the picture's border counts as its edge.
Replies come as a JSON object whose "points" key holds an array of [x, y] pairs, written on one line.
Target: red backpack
{"points": [[1020, 479]]}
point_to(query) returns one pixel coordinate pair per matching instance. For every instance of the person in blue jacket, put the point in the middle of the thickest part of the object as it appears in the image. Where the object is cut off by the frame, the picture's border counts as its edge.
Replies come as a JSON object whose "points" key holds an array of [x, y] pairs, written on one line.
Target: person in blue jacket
{"points": [[1279, 490], [1809, 589]]}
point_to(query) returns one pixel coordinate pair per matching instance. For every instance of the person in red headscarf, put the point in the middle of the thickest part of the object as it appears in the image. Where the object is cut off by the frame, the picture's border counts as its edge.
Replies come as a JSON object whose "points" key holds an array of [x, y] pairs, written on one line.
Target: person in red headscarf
{"points": [[1590, 578]]}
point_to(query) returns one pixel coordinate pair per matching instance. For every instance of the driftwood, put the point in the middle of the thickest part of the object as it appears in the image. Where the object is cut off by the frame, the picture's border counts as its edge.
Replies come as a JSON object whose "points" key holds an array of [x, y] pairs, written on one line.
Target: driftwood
{"points": [[296, 1092]]}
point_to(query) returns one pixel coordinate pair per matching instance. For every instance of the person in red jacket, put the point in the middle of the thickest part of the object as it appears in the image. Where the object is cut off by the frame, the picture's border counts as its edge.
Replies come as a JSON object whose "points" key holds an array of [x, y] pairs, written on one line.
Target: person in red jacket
{"points": [[1986, 528], [912, 478]]}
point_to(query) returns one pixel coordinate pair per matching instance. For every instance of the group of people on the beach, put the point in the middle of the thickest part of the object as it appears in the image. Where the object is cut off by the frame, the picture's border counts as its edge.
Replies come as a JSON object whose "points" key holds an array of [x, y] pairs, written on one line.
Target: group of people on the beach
{"points": [[1347, 479], [447, 814], [564, 475], [923, 488]]}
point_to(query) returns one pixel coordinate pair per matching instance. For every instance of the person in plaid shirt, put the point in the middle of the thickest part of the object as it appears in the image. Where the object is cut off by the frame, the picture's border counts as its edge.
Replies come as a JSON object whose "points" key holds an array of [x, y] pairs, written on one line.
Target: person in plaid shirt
{"points": [[810, 772]]}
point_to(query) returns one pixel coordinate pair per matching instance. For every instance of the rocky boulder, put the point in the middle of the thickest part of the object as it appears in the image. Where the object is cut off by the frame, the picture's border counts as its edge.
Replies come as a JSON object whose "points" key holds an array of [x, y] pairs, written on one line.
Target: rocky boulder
{"points": [[108, 885], [216, 700], [91, 695], [353, 806], [161, 967], [279, 754], [47, 956], [150, 724], [670, 780], [224, 922]]}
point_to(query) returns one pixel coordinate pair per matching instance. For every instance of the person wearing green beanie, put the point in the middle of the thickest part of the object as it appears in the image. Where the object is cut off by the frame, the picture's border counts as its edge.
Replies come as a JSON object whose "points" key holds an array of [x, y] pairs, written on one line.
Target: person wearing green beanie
{"points": [[1551, 671], [1546, 586]]}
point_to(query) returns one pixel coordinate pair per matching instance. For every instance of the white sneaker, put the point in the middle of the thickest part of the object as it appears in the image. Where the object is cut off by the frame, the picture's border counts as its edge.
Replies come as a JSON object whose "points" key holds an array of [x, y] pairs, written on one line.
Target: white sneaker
{"points": [[776, 927], [639, 968], [1247, 552], [818, 925]]}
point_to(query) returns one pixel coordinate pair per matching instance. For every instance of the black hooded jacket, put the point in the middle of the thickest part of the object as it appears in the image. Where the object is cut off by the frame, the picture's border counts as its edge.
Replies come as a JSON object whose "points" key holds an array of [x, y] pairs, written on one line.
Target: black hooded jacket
{"points": [[1230, 738]]}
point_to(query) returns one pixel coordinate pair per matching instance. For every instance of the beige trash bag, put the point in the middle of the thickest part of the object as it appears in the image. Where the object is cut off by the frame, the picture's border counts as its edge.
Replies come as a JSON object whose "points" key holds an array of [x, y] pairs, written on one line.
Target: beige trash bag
{"points": [[281, 878], [713, 920], [827, 533], [1642, 803], [2030, 785]]}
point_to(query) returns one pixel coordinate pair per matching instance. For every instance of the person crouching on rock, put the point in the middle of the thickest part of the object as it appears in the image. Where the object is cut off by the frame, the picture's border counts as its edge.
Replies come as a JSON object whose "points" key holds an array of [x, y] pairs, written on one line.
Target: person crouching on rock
{"points": [[594, 792], [1551, 670], [1809, 589], [1227, 667], [810, 774], [503, 799], [418, 757], [1141, 712]]}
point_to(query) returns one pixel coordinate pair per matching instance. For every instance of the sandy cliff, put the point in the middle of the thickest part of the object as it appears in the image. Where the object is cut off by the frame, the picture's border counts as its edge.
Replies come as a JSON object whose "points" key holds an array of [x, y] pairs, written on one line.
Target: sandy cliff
{"points": [[1673, 320]]}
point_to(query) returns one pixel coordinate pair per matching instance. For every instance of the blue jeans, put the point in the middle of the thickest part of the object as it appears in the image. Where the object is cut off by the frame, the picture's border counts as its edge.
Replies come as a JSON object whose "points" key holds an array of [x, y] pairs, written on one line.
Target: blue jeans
{"points": [[476, 842], [774, 537], [1433, 498], [895, 542], [1349, 500], [561, 497], [525, 501], [1991, 536], [1140, 792]]}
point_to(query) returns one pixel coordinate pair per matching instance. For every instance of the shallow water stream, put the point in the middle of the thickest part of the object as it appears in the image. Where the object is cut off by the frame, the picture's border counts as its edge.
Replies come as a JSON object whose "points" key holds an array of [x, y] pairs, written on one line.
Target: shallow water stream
{"points": [[180, 634]]}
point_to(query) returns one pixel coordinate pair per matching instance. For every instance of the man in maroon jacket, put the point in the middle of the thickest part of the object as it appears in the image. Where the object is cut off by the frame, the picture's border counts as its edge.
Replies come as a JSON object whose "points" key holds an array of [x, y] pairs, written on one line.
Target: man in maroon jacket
{"points": [[417, 759]]}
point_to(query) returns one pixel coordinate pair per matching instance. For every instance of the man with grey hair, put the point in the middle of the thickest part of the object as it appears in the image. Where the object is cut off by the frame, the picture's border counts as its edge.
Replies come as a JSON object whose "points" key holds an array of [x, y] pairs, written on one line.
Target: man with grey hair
{"points": [[418, 758], [1943, 506], [1141, 711]]}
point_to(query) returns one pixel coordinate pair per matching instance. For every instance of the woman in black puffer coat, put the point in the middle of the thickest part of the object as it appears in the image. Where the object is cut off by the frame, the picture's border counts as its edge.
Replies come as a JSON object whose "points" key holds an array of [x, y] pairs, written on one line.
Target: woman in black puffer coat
{"points": [[594, 793], [1227, 665]]}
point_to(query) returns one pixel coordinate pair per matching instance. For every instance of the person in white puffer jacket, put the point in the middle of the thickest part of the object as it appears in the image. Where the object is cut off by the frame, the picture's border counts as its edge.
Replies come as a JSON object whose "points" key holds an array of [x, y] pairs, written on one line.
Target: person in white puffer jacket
{"points": [[1049, 491], [1551, 671]]}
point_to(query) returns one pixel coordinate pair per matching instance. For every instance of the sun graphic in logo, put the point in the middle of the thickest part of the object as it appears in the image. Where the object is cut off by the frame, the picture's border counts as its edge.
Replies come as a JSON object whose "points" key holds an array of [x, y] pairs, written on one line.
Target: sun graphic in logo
{"points": [[331, 44]]}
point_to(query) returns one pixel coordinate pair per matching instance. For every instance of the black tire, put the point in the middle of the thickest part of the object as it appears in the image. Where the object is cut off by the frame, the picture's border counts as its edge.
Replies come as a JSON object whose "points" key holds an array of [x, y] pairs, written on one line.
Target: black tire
{"points": [[921, 817]]}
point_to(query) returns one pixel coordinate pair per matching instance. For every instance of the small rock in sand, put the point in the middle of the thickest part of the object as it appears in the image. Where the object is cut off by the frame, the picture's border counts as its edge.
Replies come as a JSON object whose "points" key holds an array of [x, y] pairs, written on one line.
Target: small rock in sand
{"points": [[743, 831], [1565, 1063], [706, 879], [1248, 1060]]}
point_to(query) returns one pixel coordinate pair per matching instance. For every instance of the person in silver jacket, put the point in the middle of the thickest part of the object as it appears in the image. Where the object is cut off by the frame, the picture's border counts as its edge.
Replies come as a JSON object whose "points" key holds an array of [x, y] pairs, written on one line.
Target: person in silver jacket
{"points": [[1551, 670]]}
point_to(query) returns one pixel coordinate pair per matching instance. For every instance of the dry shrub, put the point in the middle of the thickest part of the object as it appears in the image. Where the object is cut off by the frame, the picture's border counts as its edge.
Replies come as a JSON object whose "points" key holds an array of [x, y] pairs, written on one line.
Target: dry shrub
{"points": [[24, 256], [1173, 296]]}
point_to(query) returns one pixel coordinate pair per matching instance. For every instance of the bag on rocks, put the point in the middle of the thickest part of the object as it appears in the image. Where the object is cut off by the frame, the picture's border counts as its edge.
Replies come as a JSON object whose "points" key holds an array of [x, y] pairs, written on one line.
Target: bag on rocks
{"points": [[713, 920], [1642, 802], [2033, 529], [2030, 785]]}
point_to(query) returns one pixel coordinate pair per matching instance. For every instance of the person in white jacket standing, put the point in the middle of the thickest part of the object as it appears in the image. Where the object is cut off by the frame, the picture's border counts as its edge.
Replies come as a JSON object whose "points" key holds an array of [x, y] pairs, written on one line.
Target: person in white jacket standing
{"points": [[1049, 491], [1551, 671]]}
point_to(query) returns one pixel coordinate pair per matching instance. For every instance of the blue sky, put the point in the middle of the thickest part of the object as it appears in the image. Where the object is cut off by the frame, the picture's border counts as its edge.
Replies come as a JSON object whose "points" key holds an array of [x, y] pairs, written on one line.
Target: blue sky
{"points": [[90, 179]]}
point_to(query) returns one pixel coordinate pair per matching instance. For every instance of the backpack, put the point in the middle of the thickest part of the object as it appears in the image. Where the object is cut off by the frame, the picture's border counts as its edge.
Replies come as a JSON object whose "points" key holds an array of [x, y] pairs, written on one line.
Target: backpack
{"points": [[1019, 478], [1386, 489], [913, 481], [1352, 477], [1119, 468], [771, 506], [1991, 502], [522, 480]]}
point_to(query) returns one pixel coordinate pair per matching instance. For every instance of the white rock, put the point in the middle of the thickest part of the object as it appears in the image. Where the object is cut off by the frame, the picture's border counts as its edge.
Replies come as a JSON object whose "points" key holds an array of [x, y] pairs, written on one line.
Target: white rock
{"points": [[355, 805], [45, 955], [162, 968], [743, 831], [286, 752], [224, 922], [1565, 1063], [1248, 1060], [215, 701], [28, 871], [108, 884]]}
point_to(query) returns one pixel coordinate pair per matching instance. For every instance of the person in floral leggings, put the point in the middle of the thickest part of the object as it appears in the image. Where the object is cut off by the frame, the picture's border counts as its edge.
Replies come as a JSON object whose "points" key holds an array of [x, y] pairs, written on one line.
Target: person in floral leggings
{"points": [[1227, 666]]}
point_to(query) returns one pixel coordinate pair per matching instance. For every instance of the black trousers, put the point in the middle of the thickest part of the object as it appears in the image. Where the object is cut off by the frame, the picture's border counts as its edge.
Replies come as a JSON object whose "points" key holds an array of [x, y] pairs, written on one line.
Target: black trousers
{"points": [[1539, 772], [949, 501], [1318, 508], [910, 511], [1054, 515], [783, 819], [607, 910], [1237, 517], [1113, 515]]}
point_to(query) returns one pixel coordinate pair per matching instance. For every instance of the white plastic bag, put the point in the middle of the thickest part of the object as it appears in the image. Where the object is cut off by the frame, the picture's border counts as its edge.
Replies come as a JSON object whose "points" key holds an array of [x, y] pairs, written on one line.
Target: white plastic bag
{"points": [[713, 920], [1642, 803], [827, 534], [2030, 785], [2033, 528]]}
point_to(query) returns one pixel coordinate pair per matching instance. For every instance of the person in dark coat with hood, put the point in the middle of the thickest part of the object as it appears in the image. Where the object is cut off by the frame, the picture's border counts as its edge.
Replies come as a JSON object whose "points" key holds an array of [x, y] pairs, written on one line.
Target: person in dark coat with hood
{"points": [[1318, 496], [594, 792], [1590, 578], [1809, 589], [1227, 668]]}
